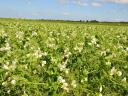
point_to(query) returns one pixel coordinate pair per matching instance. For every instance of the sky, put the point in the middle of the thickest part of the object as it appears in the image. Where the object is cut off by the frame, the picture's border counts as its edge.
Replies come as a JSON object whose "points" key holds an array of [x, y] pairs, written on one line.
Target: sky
{"points": [[102, 10]]}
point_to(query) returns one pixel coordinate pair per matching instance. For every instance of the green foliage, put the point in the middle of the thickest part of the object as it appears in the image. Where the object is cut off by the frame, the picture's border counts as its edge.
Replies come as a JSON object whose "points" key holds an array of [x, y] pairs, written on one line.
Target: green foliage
{"points": [[63, 59]]}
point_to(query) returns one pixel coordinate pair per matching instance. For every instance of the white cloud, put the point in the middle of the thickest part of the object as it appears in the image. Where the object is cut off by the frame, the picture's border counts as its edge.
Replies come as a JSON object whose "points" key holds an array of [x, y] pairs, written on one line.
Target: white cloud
{"points": [[118, 1], [77, 2], [80, 3], [96, 4]]}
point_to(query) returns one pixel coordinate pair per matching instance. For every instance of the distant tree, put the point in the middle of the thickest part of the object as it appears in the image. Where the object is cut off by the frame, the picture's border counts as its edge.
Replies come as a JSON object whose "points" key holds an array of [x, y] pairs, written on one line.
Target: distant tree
{"points": [[87, 21], [93, 21], [81, 21]]}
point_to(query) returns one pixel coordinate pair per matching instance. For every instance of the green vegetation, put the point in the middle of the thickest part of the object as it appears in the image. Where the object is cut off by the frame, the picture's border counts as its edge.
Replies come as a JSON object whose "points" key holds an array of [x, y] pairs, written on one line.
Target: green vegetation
{"points": [[43, 58]]}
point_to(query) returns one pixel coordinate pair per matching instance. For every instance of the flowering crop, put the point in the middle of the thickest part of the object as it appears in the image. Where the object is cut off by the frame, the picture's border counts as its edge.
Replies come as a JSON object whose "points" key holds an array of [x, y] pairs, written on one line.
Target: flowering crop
{"points": [[63, 59]]}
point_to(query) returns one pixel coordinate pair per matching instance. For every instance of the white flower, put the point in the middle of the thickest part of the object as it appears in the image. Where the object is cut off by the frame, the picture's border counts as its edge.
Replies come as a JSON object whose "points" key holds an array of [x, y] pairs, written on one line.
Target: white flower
{"points": [[90, 44], [4, 83], [65, 86], [8, 46], [103, 53], [51, 39], [19, 35], [60, 79], [79, 49], [119, 73], [13, 82], [3, 33], [25, 66], [108, 63], [82, 81], [38, 53], [94, 40], [121, 47], [6, 67], [124, 80], [8, 91], [66, 50], [53, 59], [34, 34], [97, 45], [43, 63], [86, 79], [34, 71], [13, 65], [113, 71], [62, 67], [25, 94], [45, 54], [73, 83], [66, 71], [127, 49], [6, 73], [100, 94], [81, 44], [100, 89], [67, 54], [28, 55], [51, 46]]}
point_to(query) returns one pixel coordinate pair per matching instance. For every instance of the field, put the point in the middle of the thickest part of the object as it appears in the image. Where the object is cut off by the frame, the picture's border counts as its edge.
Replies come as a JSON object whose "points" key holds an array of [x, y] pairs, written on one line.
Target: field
{"points": [[43, 58]]}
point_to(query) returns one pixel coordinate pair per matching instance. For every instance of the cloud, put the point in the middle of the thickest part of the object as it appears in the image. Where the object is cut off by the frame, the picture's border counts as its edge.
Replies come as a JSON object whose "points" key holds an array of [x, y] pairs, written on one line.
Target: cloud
{"points": [[96, 4], [80, 2], [118, 1], [76, 2]]}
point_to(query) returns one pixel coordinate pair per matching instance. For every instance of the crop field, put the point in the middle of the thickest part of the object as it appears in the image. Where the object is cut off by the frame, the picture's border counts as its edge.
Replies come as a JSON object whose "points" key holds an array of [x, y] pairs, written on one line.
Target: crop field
{"points": [[41, 58]]}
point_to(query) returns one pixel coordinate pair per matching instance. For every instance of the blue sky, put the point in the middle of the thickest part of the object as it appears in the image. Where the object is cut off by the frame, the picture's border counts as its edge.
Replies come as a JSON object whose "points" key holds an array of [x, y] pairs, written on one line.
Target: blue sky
{"points": [[103, 10]]}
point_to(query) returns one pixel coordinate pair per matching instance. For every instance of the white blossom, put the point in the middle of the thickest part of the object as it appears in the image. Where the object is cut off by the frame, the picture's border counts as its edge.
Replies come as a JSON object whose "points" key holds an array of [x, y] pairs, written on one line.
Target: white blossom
{"points": [[124, 80], [38, 53], [113, 71], [13, 82], [34, 34], [45, 54], [25, 94], [100, 89], [62, 67], [73, 83], [8, 91], [4, 83], [60, 79], [94, 40], [19, 35], [127, 49], [66, 71], [64, 83], [6, 67], [43, 63], [119, 73], [103, 53], [6, 48], [65, 86], [100, 94], [108, 63]]}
